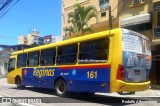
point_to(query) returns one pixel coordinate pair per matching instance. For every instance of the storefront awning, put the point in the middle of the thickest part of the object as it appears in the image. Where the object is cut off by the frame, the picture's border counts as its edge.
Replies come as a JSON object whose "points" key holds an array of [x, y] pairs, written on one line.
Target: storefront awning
{"points": [[138, 19]]}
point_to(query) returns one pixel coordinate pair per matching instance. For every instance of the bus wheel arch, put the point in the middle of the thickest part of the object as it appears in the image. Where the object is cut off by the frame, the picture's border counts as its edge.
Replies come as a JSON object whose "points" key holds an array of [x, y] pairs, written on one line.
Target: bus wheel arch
{"points": [[18, 82], [60, 86]]}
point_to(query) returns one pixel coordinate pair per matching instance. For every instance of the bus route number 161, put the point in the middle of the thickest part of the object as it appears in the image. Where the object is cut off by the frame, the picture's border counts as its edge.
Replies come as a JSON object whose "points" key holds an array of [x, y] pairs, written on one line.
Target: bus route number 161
{"points": [[92, 74]]}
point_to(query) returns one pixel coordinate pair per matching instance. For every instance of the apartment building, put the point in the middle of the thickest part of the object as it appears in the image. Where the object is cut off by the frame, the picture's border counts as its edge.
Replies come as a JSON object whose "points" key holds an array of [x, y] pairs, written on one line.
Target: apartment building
{"points": [[51, 39], [137, 15], [31, 38], [102, 7]]}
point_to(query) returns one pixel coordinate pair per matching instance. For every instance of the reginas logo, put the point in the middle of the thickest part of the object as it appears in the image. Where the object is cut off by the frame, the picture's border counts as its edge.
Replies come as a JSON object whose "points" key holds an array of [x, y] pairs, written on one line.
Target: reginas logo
{"points": [[43, 72]]}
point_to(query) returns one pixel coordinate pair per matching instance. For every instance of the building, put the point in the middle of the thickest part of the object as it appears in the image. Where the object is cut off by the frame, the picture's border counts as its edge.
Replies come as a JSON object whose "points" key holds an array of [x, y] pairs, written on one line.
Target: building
{"points": [[31, 38], [4, 58], [51, 39], [102, 23], [142, 16], [137, 15]]}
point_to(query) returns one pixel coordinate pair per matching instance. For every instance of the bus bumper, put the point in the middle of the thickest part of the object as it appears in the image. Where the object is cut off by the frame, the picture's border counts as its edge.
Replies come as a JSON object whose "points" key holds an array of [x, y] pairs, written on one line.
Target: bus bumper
{"points": [[121, 86]]}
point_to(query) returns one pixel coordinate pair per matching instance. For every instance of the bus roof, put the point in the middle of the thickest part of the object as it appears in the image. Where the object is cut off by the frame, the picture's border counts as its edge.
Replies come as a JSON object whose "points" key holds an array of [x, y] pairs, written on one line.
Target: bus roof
{"points": [[68, 41]]}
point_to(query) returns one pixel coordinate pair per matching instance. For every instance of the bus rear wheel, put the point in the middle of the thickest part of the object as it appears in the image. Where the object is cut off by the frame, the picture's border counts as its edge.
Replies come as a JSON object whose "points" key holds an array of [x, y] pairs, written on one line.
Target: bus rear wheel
{"points": [[60, 87], [19, 83]]}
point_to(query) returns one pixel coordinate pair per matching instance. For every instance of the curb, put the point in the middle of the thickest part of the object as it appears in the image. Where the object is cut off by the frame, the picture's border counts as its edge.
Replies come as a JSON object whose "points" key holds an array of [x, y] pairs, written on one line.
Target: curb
{"points": [[155, 87]]}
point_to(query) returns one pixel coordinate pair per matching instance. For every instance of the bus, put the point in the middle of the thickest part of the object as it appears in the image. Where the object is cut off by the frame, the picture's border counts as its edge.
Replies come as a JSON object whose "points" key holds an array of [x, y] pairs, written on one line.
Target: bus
{"points": [[117, 60]]}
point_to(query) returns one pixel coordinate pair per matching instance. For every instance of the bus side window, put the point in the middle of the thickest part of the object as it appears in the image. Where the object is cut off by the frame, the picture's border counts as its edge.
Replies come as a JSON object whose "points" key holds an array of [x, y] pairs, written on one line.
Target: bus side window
{"points": [[48, 57], [22, 60], [11, 64], [33, 58], [67, 54], [94, 50]]}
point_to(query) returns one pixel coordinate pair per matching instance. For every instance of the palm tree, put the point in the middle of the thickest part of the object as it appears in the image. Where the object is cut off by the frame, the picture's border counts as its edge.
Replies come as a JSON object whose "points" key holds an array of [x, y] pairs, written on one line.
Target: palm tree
{"points": [[79, 19]]}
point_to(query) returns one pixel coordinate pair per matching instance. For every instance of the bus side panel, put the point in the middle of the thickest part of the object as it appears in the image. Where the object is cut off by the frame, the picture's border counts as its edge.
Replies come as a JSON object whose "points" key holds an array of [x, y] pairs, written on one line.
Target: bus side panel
{"points": [[39, 77], [77, 79], [12, 76], [116, 56], [89, 80]]}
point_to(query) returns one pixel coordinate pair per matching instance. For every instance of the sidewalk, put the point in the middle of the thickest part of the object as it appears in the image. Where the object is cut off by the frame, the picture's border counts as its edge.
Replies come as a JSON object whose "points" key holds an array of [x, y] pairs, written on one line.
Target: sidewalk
{"points": [[147, 93]]}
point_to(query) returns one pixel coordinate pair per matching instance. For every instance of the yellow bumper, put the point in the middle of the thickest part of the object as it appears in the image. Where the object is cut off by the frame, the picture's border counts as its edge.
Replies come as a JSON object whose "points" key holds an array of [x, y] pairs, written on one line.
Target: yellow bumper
{"points": [[130, 87]]}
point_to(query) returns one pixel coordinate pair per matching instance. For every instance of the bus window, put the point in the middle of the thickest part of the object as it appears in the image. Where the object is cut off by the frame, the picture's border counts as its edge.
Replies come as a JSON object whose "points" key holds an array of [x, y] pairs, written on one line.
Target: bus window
{"points": [[67, 54], [11, 64], [94, 51], [48, 57], [33, 58], [22, 60]]}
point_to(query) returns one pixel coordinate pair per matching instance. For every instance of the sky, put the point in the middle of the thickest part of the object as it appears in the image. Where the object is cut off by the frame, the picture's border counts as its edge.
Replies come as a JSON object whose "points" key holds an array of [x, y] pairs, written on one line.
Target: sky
{"points": [[26, 15]]}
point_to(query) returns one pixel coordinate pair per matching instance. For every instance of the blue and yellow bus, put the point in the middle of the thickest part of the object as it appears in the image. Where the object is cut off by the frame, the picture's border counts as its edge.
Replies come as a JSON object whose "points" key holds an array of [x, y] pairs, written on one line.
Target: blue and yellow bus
{"points": [[117, 60]]}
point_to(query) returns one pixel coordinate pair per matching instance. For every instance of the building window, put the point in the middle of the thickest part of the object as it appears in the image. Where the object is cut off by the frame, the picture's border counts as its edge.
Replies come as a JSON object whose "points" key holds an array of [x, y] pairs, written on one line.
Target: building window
{"points": [[103, 14], [67, 54], [156, 6], [33, 59], [94, 50], [140, 27], [48, 57], [134, 2], [103, 4], [22, 60], [157, 32], [158, 18]]}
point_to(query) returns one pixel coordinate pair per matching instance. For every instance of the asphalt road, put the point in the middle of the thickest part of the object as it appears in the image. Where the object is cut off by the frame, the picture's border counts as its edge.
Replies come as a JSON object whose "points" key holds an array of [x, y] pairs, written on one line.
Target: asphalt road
{"points": [[48, 98]]}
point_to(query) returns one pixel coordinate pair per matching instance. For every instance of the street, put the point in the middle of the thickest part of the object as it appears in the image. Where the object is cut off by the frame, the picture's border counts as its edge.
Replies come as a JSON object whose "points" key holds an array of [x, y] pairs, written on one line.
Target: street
{"points": [[48, 96]]}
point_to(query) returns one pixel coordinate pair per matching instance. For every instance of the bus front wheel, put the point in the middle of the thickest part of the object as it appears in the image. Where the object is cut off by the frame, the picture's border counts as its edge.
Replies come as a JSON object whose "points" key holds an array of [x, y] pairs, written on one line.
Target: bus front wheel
{"points": [[19, 83], [60, 87]]}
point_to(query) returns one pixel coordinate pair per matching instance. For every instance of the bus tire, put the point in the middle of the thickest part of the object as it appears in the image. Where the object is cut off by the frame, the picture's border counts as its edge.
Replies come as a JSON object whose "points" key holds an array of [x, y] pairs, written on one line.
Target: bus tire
{"points": [[19, 83], [60, 87]]}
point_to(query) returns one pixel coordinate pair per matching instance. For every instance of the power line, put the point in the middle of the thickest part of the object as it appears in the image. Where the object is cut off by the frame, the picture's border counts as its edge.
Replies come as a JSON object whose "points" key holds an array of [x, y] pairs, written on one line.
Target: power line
{"points": [[5, 3], [9, 9], [5, 6]]}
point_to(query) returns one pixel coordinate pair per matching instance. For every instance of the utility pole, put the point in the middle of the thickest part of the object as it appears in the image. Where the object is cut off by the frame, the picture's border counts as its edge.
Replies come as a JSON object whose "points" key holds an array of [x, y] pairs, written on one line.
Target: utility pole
{"points": [[110, 17]]}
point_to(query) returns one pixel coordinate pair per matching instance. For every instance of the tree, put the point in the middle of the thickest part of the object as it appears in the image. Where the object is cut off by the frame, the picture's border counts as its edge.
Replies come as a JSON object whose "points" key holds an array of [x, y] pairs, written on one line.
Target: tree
{"points": [[79, 20]]}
